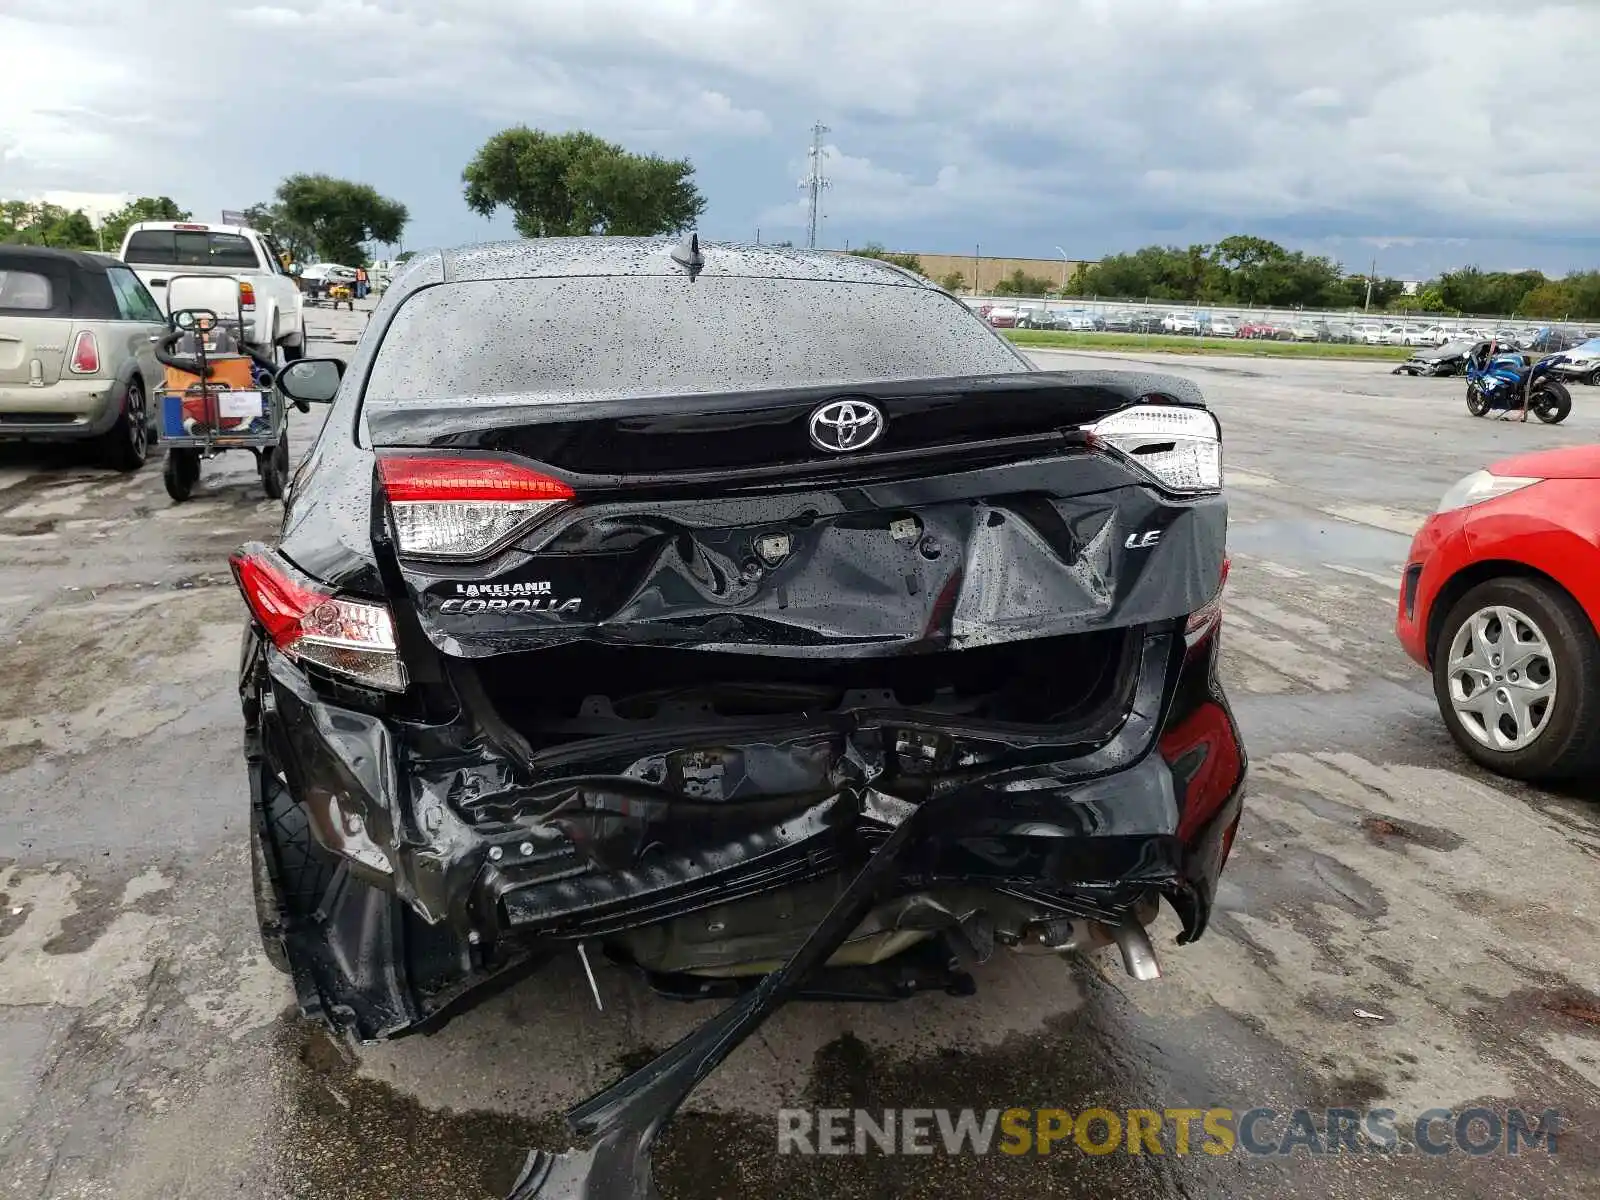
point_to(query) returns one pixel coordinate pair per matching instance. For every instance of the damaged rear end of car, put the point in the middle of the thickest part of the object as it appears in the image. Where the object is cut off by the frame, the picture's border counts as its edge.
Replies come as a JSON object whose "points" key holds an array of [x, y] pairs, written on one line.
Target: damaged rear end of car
{"points": [[765, 693]]}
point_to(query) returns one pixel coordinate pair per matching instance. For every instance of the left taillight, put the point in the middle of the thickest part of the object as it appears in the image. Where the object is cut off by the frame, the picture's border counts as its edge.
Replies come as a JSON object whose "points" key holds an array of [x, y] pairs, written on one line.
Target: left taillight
{"points": [[85, 354], [247, 297], [307, 621], [463, 507]]}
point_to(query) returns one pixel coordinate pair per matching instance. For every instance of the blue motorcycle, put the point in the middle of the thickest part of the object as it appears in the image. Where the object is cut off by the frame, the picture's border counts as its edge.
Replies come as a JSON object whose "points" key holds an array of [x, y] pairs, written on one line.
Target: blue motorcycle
{"points": [[1511, 384]]}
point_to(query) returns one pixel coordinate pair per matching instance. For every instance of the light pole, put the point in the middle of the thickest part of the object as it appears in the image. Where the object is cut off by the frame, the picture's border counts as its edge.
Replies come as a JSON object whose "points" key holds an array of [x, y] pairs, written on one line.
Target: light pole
{"points": [[1367, 307], [977, 260], [1066, 263]]}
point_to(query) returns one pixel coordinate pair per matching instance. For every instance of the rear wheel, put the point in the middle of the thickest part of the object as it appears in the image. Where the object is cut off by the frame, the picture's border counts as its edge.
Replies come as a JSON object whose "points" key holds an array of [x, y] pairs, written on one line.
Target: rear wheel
{"points": [[1551, 403], [180, 473], [126, 445], [1593, 378], [274, 467], [292, 871], [1516, 672]]}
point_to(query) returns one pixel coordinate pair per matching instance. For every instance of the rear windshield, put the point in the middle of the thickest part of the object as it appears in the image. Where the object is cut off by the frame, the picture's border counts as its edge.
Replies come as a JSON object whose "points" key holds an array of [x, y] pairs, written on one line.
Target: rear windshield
{"points": [[666, 336], [25, 291], [191, 248]]}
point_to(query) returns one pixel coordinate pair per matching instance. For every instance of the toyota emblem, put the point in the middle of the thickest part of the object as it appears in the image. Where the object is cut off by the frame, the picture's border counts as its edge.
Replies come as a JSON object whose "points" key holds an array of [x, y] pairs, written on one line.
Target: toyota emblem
{"points": [[842, 425]]}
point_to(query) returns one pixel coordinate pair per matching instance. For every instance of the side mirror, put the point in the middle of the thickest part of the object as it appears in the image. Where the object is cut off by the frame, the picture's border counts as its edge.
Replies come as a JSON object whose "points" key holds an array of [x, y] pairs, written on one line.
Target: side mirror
{"points": [[309, 381]]}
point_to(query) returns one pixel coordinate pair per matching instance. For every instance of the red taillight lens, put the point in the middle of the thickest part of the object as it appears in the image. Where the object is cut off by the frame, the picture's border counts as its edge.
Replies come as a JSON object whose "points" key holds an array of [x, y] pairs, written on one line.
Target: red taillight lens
{"points": [[305, 620], [247, 296], [85, 354], [1206, 618], [463, 507]]}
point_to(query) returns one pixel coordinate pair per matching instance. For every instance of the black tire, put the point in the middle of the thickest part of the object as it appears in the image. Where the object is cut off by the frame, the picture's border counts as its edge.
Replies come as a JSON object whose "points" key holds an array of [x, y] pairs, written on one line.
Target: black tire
{"points": [[268, 917], [1569, 744], [1477, 402], [304, 868], [295, 353], [126, 445], [274, 468], [1551, 402], [293, 872], [180, 473], [1593, 378]]}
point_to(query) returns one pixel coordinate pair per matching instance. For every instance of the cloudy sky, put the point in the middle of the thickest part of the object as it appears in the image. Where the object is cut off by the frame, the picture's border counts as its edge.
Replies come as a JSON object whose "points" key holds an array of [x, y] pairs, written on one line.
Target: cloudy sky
{"points": [[1425, 133]]}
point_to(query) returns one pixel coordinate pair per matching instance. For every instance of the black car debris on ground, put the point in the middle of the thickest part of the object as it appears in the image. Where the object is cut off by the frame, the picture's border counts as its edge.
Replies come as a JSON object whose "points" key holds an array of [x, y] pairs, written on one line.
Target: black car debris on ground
{"points": [[816, 655], [1448, 359]]}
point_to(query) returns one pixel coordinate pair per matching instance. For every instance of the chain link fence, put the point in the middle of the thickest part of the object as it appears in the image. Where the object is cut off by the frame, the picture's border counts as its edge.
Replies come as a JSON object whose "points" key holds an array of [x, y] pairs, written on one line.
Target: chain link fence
{"points": [[1151, 318]]}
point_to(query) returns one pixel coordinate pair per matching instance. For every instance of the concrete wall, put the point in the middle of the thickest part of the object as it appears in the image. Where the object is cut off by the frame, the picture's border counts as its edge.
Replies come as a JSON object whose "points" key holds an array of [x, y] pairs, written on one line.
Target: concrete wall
{"points": [[991, 270]]}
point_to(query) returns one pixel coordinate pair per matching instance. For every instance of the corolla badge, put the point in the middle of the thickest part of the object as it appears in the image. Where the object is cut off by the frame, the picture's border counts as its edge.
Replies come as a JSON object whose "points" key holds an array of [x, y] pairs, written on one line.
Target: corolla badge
{"points": [[842, 425]]}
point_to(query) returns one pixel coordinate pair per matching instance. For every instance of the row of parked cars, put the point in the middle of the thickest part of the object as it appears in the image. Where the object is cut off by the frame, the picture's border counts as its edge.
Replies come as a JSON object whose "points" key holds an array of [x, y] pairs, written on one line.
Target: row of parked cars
{"points": [[1290, 328]]}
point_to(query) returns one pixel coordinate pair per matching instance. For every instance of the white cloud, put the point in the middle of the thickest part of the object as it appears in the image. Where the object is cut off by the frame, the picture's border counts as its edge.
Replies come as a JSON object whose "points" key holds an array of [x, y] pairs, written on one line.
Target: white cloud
{"points": [[1366, 117]]}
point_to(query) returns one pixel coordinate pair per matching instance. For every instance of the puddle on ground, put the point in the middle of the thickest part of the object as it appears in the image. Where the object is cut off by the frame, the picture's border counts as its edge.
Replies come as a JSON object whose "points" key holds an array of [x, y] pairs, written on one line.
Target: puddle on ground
{"points": [[1320, 540], [344, 1135]]}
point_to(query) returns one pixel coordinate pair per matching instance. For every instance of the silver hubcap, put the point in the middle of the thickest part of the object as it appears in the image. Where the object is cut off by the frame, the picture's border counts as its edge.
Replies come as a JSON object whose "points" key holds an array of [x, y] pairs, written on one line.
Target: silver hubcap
{"points": [[1502, 678], [138, 435]]}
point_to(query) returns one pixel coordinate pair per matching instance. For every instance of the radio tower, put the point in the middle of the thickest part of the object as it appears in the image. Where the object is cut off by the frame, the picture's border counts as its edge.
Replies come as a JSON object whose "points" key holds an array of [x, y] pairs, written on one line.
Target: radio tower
{"points": [[815, 182]]}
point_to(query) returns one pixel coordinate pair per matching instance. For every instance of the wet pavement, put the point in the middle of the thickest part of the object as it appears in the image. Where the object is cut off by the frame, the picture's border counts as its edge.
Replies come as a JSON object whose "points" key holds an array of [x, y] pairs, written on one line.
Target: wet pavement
{"points": [[1395, 929]]}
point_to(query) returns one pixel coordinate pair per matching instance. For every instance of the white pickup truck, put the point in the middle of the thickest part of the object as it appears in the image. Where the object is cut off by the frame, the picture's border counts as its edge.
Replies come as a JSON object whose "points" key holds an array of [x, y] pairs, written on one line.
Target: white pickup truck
{"points": [[274, 314]]}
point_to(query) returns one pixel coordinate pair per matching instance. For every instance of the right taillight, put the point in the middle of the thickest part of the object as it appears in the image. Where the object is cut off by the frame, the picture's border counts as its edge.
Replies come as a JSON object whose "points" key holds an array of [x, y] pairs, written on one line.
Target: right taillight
{"points": [[461, 507], [1181, 448], [1203, 620], [85, 354], [307, 621]]}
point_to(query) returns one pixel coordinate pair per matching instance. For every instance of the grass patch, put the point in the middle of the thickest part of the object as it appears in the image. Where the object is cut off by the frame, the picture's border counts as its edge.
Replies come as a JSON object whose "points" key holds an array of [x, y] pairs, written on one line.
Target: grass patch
{"points": [[1164, 343]]}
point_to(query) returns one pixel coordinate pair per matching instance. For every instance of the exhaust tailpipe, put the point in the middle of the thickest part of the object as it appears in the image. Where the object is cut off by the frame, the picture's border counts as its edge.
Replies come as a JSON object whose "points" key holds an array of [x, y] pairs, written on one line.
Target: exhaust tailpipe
{"points": [[1138, 955]]}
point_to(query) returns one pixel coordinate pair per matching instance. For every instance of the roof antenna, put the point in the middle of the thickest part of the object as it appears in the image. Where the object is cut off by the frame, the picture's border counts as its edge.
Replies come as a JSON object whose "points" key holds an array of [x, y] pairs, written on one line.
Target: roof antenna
{"points": [[687, 255]]}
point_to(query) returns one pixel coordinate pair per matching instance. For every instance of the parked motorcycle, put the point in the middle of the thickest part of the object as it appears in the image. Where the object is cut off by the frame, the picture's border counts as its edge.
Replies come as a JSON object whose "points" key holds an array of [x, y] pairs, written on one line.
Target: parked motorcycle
{"points": [[1514, 383]]}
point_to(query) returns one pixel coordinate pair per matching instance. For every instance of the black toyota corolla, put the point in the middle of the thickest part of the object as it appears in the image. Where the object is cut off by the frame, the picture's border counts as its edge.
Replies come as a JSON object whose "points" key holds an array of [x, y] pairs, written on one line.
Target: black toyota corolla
{"points": [[756, 619]]}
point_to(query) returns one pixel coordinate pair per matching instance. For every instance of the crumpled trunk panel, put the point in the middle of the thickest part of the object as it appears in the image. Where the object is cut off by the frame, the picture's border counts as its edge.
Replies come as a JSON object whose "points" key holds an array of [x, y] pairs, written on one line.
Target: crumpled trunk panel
{"points": [[950, 563]]}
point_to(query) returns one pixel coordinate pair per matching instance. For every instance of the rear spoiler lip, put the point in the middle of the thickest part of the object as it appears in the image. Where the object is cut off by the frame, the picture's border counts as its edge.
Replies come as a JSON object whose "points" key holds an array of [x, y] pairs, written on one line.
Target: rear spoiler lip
{"points": [[860, 468], [443, 423]]}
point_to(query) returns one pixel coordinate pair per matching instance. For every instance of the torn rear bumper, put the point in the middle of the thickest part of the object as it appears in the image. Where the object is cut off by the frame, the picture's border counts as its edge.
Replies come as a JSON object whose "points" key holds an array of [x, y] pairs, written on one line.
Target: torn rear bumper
{"points": [[453, 866]]}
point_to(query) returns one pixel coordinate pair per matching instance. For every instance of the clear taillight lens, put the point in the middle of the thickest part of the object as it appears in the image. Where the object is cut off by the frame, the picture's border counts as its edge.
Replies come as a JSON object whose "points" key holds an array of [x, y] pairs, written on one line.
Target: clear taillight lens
{"points": [[308, 622], [464, 507], [1180, 447]]}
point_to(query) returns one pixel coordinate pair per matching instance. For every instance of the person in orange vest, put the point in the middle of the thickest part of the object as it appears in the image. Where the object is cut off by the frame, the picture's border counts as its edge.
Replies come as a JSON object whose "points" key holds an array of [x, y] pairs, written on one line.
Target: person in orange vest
{"points": [[361, 283]]}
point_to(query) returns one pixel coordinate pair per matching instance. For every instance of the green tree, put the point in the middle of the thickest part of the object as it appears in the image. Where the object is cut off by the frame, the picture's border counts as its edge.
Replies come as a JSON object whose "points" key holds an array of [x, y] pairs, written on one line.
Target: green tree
{"points": [[1020, 283], [570, 184], [1584, 287], [294, 239], [1497, 293], [24, 223], [1553, 300], [146, 208], [72, 231], [1251, 268], [1351, 292], [873, 250], [953, 281], [339, 215], [1428, 299]]}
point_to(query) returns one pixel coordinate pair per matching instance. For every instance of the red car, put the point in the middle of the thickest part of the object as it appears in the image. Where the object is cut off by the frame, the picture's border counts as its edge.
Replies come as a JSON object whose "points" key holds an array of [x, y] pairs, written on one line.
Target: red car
{"points": [[1501, 601]]}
